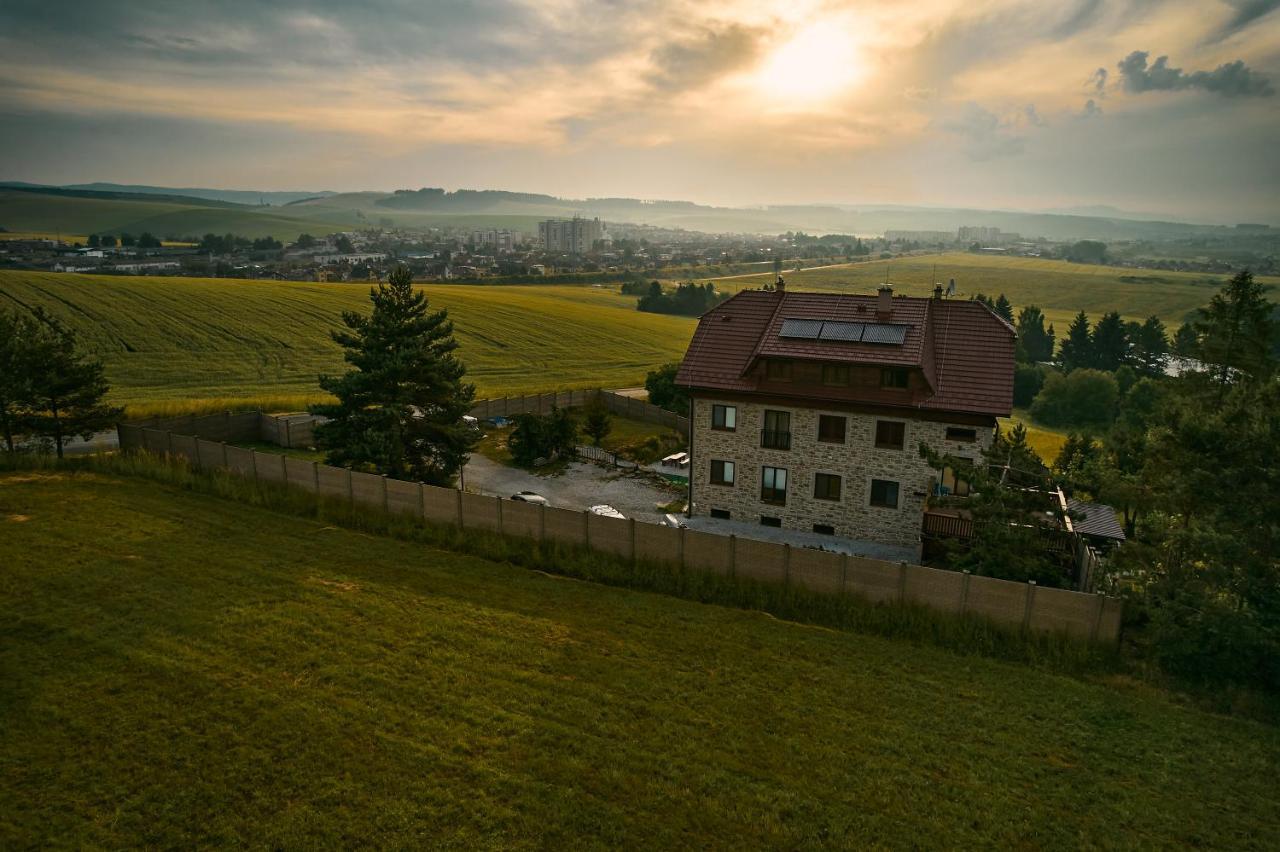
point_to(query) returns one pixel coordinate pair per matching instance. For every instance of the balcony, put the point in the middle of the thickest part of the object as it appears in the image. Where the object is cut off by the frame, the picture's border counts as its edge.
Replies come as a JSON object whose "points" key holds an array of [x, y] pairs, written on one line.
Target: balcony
{"points": [[772, 439]]}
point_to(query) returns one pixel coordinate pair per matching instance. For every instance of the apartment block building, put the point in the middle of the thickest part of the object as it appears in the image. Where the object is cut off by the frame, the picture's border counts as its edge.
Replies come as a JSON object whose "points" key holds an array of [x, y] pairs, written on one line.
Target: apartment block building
{"points": [[808, 409], [575, 236]]}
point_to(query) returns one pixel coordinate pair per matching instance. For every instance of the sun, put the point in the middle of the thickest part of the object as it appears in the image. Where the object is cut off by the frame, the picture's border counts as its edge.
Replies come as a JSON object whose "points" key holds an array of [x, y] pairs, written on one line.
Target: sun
{"points": [[818, 63]]}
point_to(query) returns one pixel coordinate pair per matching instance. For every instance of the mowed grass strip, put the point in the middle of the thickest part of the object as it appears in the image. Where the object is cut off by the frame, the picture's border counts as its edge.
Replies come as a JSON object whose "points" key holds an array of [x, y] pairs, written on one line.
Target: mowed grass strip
{"points": [[180, 670], [1061, 289], [181, 340]]}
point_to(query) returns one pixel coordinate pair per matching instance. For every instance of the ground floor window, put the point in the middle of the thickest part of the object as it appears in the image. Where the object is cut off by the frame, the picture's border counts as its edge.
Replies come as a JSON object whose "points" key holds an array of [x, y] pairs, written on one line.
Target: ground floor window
{"points": [[770, 521], [884, 493], [826, 486], [773, 485], [722, 514], [721, 472], [824, 529]]}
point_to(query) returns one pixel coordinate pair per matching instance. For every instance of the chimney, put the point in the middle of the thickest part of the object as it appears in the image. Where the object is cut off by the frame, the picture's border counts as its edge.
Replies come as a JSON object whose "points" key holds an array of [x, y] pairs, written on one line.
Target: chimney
{"points": [[780, 285], [884, 302], [937, 290]]}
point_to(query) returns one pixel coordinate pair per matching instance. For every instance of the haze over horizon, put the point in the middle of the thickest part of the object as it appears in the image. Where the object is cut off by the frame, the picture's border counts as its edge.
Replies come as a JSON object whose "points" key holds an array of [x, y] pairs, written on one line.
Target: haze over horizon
{"points": [[984, 104]]}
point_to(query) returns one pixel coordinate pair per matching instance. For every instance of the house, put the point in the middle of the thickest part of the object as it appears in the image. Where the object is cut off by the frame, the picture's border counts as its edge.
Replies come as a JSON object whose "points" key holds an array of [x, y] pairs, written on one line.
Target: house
{"points": [[808, 409]]}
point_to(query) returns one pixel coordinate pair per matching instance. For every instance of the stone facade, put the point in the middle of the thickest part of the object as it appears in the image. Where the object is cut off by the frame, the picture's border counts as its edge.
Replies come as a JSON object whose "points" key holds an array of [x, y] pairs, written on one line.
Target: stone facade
{"points": [[857, 461]]}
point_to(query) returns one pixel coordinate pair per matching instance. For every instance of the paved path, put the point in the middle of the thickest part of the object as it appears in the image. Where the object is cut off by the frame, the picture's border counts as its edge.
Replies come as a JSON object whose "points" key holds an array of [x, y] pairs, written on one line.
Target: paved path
{"points": [[579, 486]]}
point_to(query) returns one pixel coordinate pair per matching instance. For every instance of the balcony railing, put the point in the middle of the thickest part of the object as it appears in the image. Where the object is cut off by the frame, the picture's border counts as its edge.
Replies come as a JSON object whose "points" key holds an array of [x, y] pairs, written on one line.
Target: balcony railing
{"points": [[772, 439]]}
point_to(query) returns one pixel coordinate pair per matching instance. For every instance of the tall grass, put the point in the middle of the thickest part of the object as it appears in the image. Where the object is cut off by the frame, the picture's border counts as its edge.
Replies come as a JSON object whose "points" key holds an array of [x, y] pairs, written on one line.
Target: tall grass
{"points": [[966, 634], [271, 404]]}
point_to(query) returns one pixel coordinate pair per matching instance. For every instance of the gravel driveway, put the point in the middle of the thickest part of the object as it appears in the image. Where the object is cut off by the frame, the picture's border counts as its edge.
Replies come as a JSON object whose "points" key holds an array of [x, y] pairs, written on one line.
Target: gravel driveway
{"points": [[580, 486]]}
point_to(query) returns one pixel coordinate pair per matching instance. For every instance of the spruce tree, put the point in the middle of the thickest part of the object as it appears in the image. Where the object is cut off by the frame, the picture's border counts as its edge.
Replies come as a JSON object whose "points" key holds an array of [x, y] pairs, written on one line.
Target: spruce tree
{"points": [[399, 411], [1003, 308], [1150, 347], [1077, 349], [1037, 344], [1110, 341], [1236, 331], [66, 391], [18, 333]]}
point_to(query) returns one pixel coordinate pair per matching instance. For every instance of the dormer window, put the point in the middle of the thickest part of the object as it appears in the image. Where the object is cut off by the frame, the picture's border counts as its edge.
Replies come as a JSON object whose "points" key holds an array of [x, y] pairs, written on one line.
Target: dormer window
{"points": [[777, 371], [835, 375], [894, 377]]}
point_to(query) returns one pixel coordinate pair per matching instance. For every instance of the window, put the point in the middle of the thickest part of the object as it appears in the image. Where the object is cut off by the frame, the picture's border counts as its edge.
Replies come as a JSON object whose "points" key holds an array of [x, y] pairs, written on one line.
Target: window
{"points": [[884, 493], [831, 428], [773, 485], [721, 472], [778, 371], [722, 514], [835, 374], [955, 433], [824, 529], [890, 434], [724, 417], [770, 521], [777, 430], [826, 486], [893, 377], [952, 484]]}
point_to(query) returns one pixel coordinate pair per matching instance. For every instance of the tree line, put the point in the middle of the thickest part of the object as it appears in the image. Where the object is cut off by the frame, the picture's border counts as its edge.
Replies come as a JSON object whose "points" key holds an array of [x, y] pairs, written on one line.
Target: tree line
{"points": [[688, 299]]}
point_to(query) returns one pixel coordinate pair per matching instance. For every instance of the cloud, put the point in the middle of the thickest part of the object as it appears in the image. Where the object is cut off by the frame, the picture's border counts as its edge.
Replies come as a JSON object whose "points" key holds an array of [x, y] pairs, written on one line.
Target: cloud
{"points": [[986, 136], [700, 60], [1098, 80], [1091, 109], [1246, 12], [1231, 79]]}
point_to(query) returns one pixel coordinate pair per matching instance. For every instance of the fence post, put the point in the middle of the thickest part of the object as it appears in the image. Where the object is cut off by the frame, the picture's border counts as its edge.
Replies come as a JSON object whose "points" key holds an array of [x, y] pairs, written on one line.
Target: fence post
{"points": [[284, 470], [682, 532], [461, 525], [844, 573], [498, 500], [1031, 599], [586, 528], [786, 564], [315, 476], [633, 539], [542, 522], [902, 581], [253, 456], [422, 502], [384, 492], [226, 425], [733, 555], [351, 489], [224, 456], [1097, 618], [964, 592], [288, 433], [169, 442]]}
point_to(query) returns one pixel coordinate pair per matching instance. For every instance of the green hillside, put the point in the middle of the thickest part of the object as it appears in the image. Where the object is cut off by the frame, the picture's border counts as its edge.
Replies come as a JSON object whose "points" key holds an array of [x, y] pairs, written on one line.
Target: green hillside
{"points": [[182, 671], [1058, 287], [182, 340]]}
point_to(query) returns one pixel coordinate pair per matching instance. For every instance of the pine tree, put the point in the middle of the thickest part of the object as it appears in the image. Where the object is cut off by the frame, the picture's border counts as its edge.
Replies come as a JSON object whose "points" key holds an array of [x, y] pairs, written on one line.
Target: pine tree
{"points": [[598, 423], [1236, 331], [1037, 344], [1110, 341], [18, 334], [1077, 348], [1150, 347], [1186, 343], [1003, 308], [66, 391], [399, 412]]}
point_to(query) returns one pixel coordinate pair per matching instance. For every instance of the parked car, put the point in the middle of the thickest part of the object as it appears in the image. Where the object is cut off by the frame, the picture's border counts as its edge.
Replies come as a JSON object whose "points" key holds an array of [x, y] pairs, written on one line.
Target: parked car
{"points": [[676, 521], [530, 497], [607, 511]]}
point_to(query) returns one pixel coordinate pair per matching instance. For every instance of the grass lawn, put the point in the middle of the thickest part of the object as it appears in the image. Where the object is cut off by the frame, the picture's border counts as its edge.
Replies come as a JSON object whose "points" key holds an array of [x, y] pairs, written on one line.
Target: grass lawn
{"points": [[181, 670], [177, 344], [1045, 440]]}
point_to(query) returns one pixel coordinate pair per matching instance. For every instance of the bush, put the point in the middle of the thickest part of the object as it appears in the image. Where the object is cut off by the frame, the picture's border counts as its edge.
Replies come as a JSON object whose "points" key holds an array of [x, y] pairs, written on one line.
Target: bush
{"points": [[1028, 379], [1084, 397], [663, 390], [536, 438]]}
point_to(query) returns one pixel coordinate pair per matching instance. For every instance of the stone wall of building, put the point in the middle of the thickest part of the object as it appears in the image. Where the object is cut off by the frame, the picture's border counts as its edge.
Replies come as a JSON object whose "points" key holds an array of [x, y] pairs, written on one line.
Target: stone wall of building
{"points": [[857, 462]]}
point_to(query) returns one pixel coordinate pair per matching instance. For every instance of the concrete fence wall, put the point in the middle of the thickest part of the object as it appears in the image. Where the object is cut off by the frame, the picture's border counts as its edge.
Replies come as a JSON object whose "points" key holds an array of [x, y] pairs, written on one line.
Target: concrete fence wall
{"points": [[1020, 605], [541, 403]]}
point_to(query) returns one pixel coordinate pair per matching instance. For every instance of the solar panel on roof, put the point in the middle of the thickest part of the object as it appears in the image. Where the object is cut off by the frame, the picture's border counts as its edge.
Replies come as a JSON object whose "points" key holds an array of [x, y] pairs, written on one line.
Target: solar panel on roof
{"points": [[881, 333], [848, 332], [802, 328]]}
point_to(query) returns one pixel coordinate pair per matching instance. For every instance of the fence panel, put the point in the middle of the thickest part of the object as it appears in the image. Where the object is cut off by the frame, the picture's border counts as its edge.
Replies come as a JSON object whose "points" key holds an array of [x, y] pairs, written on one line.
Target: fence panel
{"points": [[657, 543], [934, 587], [403, 498], [760, 560], [240, 461], [611, 535], [524, 519], [440, 504], [155, 441], [208, 454], [130, 436], [817, 570], [480, 511], [872, 579], [333, 481], [184, 446], [366, 489], [998, 600], [706, 551], [566, 525], [270, 466], [1054, 610], [300, 472]]}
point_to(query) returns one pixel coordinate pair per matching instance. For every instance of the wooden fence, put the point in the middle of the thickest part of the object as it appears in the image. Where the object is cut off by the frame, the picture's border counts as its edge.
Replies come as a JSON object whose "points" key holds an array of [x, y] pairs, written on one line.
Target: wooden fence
{"points": [[1021, 605]]}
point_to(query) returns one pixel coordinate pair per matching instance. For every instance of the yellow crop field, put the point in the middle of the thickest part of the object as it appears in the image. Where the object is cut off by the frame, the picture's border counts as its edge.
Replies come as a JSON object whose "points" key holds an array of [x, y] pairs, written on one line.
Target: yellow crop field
{"points": [[1061, 289], [180, 344]]}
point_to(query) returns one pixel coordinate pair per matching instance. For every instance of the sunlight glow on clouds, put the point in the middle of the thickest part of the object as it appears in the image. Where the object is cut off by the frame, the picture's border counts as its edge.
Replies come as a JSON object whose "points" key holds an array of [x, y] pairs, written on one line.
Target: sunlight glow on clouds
{"points": [[950, 101]]}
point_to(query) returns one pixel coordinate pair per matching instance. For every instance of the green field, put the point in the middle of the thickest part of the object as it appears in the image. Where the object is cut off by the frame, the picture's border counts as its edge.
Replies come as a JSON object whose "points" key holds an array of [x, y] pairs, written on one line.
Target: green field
{"points": [[176, 341], [180, 670], [1061, 289]]}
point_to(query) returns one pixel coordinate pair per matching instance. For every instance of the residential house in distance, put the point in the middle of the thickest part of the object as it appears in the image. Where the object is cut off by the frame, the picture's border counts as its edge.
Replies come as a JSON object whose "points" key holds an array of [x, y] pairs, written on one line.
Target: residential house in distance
{"points": [[808, 409]]}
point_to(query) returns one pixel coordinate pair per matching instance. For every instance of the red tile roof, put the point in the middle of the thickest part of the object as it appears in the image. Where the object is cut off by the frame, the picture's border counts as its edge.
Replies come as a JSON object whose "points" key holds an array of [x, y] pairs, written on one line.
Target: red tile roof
{"points": [[963, 349]]}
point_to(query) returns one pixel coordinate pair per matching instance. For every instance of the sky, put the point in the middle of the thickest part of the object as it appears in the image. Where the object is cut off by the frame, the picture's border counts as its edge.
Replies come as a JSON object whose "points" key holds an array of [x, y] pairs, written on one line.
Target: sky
{"points": [[1162, 106]]}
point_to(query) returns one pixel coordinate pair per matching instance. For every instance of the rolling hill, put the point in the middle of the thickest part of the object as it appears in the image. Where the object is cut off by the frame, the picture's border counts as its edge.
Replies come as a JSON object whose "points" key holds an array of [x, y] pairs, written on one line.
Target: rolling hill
{"points": [[182, 670]]}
